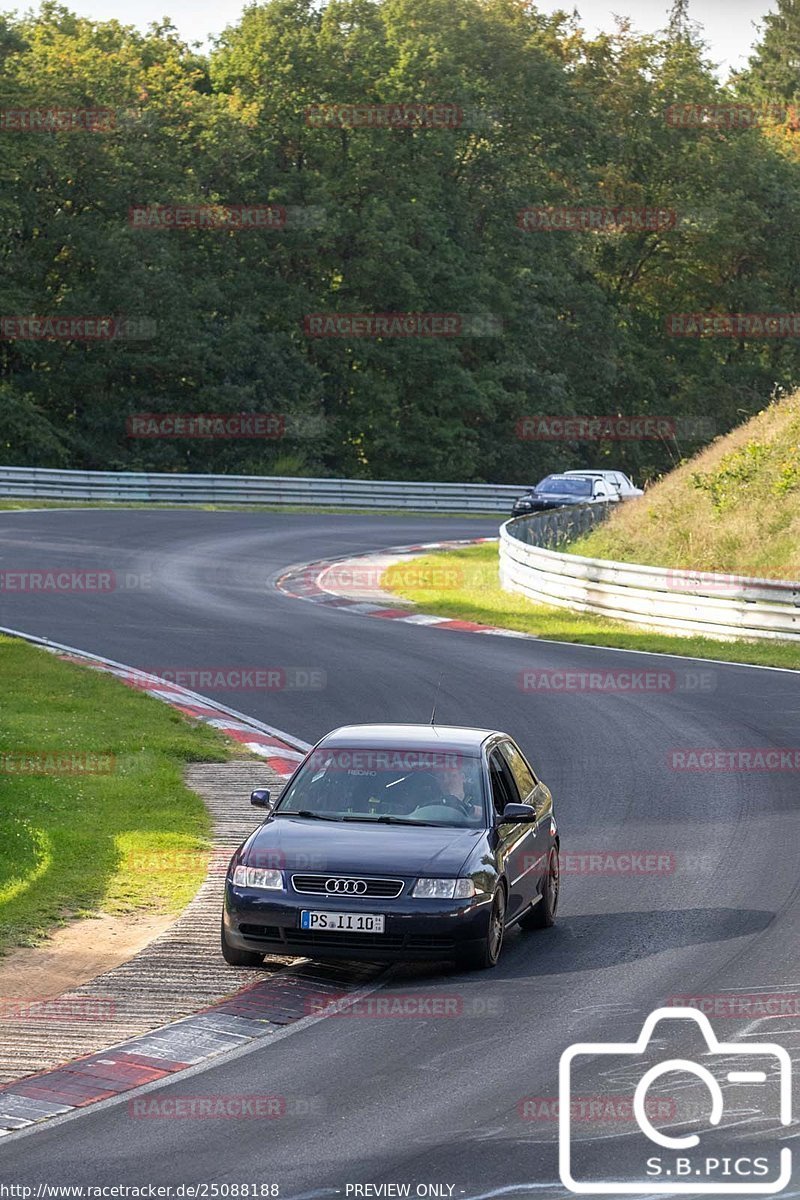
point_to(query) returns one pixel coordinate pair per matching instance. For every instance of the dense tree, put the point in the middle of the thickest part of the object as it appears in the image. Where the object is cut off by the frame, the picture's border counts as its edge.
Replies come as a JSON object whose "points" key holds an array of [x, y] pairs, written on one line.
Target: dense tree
{"points": [[383, 220], [773, 72]]}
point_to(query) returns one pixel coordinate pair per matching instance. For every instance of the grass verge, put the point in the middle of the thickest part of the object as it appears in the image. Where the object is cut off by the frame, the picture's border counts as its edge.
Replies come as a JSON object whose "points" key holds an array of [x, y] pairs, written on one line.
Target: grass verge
{"points": [[73, 843], [734, 507], [464, 584]]}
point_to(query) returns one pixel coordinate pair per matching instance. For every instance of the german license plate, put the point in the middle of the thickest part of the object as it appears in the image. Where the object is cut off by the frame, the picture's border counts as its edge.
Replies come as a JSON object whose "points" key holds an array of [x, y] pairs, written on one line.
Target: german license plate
{"points": [[342, 922]]}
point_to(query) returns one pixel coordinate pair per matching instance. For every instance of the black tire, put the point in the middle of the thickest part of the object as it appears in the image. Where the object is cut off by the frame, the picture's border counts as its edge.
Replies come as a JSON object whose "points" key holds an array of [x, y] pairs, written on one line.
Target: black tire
{"points": [[238, 958], [543, 914], [485, 955]]}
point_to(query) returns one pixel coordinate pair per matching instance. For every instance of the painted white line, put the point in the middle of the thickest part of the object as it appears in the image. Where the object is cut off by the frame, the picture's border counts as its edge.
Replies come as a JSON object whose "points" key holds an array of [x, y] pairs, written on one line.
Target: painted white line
{"points": [[423, 619]]}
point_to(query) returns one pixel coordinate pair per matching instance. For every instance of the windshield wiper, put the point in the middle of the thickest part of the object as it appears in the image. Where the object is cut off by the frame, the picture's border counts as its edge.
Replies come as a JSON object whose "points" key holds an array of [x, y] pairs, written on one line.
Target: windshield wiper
{"points": [[387, 820], [304, 812]]}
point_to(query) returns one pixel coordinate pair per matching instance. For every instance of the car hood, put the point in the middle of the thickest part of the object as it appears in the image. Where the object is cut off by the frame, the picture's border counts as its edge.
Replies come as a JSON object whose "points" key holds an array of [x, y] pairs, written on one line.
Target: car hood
{"points": [[351, 848], [559, 496]]}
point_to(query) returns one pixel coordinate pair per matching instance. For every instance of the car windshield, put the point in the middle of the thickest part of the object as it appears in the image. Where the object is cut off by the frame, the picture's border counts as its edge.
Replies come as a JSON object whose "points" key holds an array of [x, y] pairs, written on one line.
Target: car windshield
{"points": [[392, 787], [574, 486]]}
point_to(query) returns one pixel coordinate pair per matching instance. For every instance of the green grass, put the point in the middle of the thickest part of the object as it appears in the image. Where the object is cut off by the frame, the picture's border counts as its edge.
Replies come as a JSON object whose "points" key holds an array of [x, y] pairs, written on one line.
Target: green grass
{"points": [[734, 508], [464, 584], [71, 844]]}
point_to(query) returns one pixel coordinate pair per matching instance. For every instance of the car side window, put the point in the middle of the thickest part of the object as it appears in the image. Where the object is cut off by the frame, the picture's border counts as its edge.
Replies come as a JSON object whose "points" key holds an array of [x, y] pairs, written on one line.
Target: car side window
{"points": [[504, 789], [523, 775]]}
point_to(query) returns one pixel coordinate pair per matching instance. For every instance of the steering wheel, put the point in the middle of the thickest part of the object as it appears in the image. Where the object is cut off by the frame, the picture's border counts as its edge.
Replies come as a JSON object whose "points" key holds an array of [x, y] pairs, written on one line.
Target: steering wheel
{"points": [[456, 802]]}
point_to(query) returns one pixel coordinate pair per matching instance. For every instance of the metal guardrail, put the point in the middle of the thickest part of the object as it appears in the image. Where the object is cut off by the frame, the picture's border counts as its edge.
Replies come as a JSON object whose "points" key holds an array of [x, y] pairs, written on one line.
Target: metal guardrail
{"points": [[675, 601], [47, 484], [560, 525]]}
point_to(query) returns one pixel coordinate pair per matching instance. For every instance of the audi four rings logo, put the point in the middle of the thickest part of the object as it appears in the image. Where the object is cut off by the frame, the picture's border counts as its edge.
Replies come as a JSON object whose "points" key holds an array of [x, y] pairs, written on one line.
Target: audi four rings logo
{"points": [[353, 887]]}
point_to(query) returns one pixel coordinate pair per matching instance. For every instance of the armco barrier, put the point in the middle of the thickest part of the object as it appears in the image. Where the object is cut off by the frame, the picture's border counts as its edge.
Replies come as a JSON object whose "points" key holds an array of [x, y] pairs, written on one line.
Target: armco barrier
{"points": [[47, 484], [722, 606], [556, 526]]}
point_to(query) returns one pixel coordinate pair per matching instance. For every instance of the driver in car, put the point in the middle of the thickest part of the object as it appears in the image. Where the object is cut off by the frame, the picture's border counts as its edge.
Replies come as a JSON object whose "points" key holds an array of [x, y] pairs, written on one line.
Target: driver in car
{"points": [[456, 786]]}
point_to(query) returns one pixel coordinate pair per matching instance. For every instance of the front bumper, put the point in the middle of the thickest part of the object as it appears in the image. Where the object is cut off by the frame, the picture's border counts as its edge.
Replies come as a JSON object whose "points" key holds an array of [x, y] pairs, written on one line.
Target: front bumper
{"points": [[539, 506], [414, 930]]}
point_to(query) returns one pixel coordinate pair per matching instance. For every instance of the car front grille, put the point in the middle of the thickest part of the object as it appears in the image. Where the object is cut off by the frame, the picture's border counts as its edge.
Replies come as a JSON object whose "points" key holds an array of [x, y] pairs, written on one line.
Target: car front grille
{"points": [[317, 885], [314, 940], [352, 941]]}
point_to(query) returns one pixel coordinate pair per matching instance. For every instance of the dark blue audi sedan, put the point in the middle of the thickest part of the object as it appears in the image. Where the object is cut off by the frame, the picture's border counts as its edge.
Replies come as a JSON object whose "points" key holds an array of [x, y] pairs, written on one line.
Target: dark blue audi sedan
{"points": [[397, 843]]}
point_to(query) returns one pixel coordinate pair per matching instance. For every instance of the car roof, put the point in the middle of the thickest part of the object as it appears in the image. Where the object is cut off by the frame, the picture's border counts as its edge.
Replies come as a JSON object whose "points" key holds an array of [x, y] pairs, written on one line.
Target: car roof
{"points": [[461, 738], [592, 472]]}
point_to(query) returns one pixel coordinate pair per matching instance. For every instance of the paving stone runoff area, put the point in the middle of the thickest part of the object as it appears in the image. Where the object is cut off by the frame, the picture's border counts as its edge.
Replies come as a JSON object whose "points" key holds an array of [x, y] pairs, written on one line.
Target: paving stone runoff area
{"points": [[140, 1021]]}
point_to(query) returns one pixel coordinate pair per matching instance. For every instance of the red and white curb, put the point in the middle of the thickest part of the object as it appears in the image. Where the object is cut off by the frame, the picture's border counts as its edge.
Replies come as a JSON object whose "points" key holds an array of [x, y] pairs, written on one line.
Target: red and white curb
{"points": [[280, 750], [352, 583], [300, 992]]}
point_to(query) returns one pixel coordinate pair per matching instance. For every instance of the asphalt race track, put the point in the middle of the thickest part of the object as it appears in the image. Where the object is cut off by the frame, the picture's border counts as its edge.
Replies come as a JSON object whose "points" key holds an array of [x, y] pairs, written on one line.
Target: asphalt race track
{"points": [[436, 1101]]}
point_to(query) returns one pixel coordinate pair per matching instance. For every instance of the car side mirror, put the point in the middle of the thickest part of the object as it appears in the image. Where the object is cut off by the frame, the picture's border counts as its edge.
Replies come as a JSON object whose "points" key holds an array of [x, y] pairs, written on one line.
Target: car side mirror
{"points": [[260, 798], [517, 813]]}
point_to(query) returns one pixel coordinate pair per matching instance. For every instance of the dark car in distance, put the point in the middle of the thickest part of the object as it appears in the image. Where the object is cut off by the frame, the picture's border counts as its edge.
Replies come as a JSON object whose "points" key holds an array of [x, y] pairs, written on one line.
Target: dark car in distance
{"points": [[397, 843], [557, 491]]}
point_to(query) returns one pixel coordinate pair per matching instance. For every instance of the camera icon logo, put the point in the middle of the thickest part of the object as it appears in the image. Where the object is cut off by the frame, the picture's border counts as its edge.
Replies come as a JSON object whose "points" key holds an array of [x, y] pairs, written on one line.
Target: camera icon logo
{"points": [[716, 1167]]}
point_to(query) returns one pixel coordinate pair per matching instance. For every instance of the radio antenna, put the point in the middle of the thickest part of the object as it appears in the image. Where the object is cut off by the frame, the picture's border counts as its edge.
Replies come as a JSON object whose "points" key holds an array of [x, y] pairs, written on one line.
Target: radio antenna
{"points": [[435, 698]]}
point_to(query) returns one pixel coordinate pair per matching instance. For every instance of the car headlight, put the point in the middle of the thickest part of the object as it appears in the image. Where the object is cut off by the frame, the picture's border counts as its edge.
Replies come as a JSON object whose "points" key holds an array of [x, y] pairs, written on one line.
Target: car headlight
{"points": [[443, 889], [258, 877]]}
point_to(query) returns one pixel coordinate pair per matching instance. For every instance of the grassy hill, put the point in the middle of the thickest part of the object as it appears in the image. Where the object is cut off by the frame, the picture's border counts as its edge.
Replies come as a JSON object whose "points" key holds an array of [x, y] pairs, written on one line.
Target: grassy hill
{"points": [[735, 507]]}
